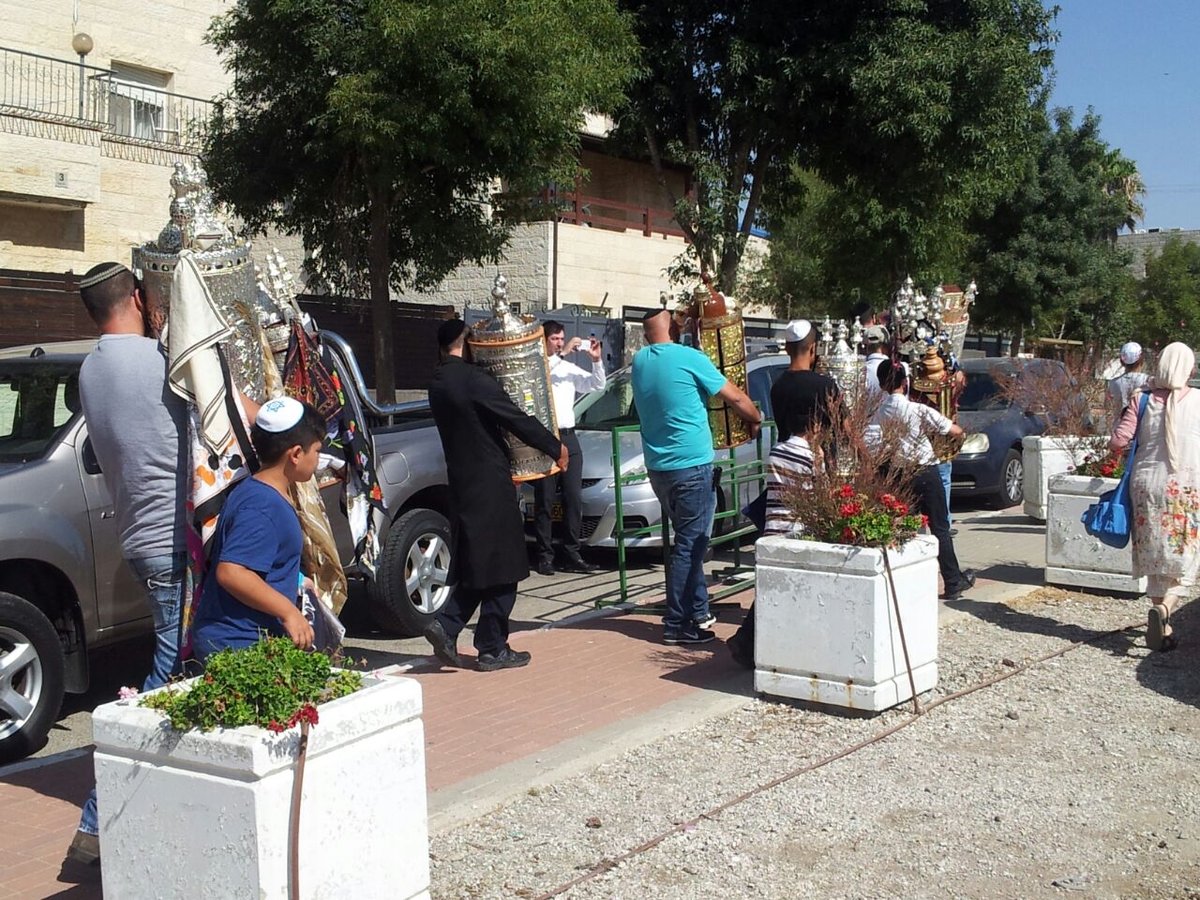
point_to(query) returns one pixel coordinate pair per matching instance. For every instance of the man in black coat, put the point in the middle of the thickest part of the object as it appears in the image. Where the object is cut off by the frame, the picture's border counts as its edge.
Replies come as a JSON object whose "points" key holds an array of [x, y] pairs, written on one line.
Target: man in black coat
{"points": [[472, 413]]}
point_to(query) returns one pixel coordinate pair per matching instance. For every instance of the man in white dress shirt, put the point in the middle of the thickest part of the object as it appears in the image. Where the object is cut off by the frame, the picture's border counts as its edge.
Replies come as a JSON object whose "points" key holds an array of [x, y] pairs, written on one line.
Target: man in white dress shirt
{"points": [[566, 380], [878, 344]]}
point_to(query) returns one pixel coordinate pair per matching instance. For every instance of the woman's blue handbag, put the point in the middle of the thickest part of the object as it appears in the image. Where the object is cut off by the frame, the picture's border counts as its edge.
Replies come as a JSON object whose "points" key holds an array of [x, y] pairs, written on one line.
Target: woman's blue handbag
{"points": [[1110, 519]]}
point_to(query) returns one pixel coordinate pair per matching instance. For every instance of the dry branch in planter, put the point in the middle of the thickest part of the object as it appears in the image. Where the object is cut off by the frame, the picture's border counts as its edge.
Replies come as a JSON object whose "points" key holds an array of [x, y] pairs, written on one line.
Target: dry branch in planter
{"points": [[860, 493]]}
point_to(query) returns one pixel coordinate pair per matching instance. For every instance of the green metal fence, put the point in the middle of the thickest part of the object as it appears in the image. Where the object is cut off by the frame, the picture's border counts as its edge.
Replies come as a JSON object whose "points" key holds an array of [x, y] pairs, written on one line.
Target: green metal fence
{"points": [[741, 480]]}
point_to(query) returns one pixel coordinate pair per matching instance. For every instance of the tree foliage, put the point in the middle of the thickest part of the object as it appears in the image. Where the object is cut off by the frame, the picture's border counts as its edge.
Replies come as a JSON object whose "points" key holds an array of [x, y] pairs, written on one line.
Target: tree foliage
{"points": [[1046, 256], [1169, 298], [375, 128], [916, 111]]}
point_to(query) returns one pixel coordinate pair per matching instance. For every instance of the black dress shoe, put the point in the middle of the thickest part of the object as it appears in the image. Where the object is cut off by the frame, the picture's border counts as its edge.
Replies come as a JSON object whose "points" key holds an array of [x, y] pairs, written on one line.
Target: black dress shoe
{"points": [[967, 582], [508, 658], [579, 566], [544, 568], [443, 647]]}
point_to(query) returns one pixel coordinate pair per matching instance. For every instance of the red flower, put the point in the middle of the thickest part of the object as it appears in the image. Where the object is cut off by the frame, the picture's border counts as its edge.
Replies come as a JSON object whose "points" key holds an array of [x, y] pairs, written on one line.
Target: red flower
{"points": [[276, 727], [900, 509], [850, 509], [846, 491], [849, 534], [306, 713], [924, 520]]}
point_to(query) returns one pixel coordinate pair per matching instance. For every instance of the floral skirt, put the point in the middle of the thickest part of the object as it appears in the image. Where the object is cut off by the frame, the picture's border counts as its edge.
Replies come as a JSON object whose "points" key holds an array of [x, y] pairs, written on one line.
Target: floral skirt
{"points": [[1166, 525]]}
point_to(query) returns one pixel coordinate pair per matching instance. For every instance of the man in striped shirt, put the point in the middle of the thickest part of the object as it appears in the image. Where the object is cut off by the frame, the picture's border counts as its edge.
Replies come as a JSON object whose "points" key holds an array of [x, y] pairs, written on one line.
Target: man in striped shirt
{"points": [[801, 400]]}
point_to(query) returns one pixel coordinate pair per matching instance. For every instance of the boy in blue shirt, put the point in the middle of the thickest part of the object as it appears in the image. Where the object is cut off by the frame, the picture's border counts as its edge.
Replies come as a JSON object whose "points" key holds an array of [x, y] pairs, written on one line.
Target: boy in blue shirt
{"points": [[254, 576]]}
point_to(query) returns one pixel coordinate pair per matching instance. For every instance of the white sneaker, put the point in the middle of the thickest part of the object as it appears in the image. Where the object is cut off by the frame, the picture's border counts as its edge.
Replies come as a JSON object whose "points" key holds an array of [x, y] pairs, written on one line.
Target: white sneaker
{"points": [[707, 622]]}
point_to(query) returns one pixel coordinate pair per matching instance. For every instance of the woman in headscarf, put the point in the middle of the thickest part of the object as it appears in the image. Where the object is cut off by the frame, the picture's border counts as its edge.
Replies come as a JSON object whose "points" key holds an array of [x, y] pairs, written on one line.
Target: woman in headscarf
{"points": [[1165, 488]]}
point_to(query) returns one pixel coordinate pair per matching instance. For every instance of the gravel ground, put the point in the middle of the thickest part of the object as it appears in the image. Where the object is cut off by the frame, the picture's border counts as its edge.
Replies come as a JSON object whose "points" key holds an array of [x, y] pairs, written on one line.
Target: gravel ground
{"points": [[1077, 775]]}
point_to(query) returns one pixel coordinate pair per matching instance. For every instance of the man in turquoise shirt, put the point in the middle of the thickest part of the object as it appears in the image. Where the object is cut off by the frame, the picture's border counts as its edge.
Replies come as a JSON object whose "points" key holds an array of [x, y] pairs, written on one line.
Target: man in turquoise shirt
{"points": [[671, 387]]}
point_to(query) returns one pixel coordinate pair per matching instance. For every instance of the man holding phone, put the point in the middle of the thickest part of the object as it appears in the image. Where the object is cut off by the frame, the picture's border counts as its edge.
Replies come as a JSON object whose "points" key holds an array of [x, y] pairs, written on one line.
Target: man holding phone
{"points": [[566, 380]]}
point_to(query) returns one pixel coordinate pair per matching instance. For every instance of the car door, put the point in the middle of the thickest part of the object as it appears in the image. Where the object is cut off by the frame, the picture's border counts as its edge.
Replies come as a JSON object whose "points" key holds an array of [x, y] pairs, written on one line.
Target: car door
{"points": [[120, 599]]}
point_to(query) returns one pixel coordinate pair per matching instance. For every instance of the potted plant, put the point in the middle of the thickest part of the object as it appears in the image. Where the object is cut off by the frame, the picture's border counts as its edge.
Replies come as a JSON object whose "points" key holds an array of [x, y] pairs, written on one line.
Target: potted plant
{"points": [[1074, 557], [846, 605], [201, 784]]}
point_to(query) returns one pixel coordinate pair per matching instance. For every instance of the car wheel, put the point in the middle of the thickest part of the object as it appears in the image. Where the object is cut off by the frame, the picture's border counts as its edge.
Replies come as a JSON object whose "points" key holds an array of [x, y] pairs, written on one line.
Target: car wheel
{"points": [[31, 677], [1012, 481], [411, 575]]}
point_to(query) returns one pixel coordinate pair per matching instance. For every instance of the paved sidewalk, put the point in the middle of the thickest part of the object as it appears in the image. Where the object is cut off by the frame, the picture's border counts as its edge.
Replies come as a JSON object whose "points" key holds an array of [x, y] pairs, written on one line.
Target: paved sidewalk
{"points": [[596, 686]]}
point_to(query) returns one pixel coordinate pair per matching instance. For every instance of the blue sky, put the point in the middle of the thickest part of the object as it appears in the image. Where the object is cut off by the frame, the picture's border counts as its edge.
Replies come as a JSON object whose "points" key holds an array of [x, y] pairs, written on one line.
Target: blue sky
{"points": [[1137, 63]]}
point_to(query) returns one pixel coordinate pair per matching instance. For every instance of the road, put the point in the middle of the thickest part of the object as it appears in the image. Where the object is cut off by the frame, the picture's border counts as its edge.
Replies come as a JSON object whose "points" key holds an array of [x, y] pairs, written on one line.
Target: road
{"points": [[1002, 546]]}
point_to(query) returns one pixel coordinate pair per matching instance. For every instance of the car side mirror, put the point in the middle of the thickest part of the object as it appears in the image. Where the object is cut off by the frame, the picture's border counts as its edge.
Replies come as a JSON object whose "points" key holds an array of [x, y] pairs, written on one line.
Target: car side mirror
{"points": [[91, 465]]}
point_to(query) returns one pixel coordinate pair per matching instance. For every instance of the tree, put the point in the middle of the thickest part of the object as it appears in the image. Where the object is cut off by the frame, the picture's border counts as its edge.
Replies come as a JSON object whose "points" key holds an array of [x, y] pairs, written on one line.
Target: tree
{"points": [[1169, 297], [1045, 256], [924, 108], [376, 128]]}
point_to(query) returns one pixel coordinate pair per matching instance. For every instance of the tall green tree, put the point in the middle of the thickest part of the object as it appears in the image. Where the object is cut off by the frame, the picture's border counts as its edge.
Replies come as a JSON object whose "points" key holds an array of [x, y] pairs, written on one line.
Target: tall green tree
{"points": [[1045, 256], [922, 108], [1168, 306], [376, 128]]}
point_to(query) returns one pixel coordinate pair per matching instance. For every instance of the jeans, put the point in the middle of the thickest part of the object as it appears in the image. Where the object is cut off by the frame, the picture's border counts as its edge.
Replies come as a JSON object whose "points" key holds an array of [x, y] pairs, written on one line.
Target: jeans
{"points": [[688, 497], [944, 471], [167, 580]]}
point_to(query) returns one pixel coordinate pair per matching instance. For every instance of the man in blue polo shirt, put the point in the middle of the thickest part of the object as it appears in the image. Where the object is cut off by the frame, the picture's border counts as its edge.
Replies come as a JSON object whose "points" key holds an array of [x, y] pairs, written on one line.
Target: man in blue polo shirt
{"points": [[671, 387]]}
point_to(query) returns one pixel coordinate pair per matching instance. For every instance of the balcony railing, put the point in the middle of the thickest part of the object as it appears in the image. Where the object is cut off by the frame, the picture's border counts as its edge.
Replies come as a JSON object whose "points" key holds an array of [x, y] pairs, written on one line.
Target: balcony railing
{"points": [[56, 90]]}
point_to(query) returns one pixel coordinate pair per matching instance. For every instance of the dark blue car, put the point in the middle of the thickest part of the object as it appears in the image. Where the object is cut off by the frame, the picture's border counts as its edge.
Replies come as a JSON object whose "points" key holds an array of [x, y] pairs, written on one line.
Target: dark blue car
{"points": [[989, 464]]}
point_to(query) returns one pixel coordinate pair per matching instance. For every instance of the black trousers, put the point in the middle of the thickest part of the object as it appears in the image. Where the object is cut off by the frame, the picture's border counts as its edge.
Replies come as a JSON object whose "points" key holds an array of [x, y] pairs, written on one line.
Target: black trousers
{"points": [[495, 605], [931, 499], [544, 492]]}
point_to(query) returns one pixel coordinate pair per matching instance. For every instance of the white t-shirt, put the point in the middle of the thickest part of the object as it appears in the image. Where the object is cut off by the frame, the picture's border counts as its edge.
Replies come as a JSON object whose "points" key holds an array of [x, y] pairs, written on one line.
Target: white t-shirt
{"points": [[871, 367], [1121, 388], [918, 421], [567, 379]]}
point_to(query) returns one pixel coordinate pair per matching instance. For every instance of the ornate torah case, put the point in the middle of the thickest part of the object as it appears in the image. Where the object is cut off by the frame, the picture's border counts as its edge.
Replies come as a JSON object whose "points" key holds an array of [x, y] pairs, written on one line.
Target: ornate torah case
{"points": [[512, 349]]}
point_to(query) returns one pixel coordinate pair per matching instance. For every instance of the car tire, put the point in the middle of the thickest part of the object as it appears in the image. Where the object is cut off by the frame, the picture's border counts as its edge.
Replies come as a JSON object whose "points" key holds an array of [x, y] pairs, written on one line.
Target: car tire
{"points": [[31, 674], [1012, 481], [410, 577]]}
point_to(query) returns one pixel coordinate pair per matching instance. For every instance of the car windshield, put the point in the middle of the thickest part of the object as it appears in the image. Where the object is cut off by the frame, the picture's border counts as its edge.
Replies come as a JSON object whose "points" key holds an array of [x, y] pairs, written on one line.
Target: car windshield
{"points": [[36, 405], [605, 409], [981, 393]]}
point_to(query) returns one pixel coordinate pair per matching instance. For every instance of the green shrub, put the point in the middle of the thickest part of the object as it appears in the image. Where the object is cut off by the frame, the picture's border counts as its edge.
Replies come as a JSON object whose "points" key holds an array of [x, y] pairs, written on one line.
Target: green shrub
{"points": [[272, 684]]}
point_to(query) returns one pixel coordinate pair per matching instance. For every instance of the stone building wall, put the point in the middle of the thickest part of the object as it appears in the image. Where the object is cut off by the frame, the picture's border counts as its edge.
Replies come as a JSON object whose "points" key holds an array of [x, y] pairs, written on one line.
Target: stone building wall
{"points": [[73, 193], [1150, 243]]}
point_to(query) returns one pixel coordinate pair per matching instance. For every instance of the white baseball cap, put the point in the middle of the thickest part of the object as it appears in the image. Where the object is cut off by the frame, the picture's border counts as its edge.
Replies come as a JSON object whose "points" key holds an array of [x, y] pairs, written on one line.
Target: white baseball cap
{"points": [[1131, 352], [797, 330]]}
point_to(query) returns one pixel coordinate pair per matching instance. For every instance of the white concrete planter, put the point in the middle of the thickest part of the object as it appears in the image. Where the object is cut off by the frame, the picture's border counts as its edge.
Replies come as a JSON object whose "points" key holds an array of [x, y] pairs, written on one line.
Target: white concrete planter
{"points": [[1074, 557], [1044, 457], [207, 815], [825, 625]]}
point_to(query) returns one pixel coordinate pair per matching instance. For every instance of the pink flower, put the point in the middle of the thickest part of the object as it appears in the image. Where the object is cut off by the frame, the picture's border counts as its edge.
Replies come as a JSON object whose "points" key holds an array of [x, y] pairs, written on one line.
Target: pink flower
{"points": [[127, 693]]}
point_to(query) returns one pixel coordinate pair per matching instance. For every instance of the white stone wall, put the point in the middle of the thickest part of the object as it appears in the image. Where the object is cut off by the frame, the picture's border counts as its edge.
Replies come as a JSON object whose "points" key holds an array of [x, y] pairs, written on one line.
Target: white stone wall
{"points": [[628, 266], [526, 265], [111, 194], [166, 36]]}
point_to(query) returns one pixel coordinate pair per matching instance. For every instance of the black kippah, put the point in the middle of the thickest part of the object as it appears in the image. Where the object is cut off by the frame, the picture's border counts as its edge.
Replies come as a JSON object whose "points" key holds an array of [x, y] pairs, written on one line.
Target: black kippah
{"points": [[448, 332]]}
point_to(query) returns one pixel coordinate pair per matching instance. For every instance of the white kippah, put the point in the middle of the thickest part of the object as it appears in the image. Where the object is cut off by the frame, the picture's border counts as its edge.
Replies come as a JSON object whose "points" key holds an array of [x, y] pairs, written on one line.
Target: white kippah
{"points": [[1131, 352], [279, 415], [797, 330]]}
